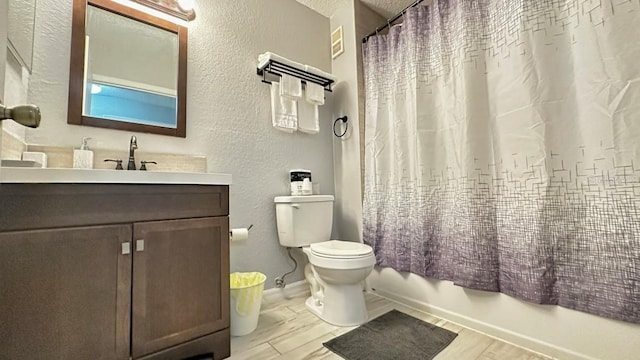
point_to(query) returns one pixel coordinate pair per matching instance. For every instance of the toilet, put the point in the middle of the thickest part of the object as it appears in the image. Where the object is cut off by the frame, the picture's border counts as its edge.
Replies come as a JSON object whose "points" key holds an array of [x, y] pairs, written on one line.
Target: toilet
{"points": [[336, 268]]}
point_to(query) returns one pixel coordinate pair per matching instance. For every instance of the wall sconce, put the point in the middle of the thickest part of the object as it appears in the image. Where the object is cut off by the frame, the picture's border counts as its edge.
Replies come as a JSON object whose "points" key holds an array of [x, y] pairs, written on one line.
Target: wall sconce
{"points": [[182, 9]]}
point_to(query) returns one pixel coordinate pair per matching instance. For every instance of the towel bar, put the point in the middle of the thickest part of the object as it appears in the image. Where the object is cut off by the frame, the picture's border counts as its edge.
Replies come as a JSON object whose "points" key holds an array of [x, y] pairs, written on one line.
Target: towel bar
{"points": [[276, 68]]}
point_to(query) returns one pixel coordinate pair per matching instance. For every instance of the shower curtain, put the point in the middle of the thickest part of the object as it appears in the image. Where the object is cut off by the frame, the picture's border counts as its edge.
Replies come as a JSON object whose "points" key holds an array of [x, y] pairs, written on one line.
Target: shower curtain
{"points": [[502, 149]]}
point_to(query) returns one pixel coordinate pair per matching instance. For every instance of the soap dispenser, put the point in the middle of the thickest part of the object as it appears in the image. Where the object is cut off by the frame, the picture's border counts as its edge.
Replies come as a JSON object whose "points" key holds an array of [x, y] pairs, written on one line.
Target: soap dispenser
{"points": [[83, 157]]}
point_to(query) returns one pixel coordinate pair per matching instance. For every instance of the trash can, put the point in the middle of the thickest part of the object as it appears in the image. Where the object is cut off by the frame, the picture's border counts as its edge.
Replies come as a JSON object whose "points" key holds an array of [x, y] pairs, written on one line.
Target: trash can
{"points": [[246, 297]]}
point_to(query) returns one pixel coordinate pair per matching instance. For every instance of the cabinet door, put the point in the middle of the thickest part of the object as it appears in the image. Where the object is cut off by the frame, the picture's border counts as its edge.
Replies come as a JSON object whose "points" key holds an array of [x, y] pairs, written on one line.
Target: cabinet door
{"points": [[180, 282], [65, 293]]}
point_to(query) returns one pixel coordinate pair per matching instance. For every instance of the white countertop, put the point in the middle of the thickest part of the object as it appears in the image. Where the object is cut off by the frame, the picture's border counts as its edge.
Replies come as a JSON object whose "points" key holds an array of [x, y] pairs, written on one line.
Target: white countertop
{"points": [[95, 176]]}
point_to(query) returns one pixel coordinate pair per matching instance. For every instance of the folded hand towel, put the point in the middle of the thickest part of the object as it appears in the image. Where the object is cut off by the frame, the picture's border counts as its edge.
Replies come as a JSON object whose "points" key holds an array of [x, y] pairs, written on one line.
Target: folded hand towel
{"points": [[263, 60], [290, 87], [314, 93], [316, 71], [284, 112], [308, 119]]}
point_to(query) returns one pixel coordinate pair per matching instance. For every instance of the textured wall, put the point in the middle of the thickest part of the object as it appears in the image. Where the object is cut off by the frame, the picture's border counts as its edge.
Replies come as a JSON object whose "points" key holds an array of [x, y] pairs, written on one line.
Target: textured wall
{"points": [[347, 149], [367, 21], [16, 88], [228, 109], [20, 27]]}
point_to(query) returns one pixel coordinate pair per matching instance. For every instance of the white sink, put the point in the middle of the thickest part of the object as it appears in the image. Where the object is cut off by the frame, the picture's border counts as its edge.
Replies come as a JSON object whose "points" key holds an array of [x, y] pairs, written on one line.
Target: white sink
{"points": [[94, 176]]}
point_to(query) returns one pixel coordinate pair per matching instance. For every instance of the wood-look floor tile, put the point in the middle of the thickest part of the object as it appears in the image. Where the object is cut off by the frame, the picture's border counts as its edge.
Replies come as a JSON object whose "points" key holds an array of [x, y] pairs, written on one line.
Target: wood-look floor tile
{"points": [[380, 310], [373, 302], [499, 350], [310, 351], [298, 307], [263, 351], [295, 301], [291, 341], [275, 315], [265, 333], [416, 313], [343, 330], [331, 356], [451, 326], [287, 327], [467, 345]]}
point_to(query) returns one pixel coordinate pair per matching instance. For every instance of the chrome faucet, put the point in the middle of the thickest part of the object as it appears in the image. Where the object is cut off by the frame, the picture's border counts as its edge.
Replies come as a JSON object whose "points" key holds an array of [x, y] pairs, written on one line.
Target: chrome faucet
{"points": [[133, 145]]}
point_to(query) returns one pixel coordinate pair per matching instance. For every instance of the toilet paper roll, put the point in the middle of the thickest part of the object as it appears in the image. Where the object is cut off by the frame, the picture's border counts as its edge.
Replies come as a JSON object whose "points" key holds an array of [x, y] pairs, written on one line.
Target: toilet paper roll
{"points": [[239, 234]]}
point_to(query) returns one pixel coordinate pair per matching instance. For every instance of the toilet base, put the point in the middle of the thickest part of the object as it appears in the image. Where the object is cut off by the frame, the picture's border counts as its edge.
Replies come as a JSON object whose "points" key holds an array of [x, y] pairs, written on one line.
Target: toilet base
{"points": [[342, 305], [311, 305]]}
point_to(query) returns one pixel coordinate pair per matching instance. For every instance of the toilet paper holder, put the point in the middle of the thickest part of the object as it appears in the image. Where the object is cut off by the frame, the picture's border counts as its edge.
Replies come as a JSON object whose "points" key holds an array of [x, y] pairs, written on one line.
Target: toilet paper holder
{"points": [[243, 234]]}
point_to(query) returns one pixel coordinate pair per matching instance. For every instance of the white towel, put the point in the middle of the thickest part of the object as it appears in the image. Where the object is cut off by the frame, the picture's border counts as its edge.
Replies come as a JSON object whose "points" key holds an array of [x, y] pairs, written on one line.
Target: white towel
{"points": [[284, 112], [290, 87], [314, 93], [308, 118], [263, 60], [316, 71]]}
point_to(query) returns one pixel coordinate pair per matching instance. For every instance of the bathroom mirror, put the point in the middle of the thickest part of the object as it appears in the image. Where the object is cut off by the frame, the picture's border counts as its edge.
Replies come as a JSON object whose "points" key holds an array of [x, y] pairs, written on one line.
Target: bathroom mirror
{"points": [[20, 30], [128, 70]]}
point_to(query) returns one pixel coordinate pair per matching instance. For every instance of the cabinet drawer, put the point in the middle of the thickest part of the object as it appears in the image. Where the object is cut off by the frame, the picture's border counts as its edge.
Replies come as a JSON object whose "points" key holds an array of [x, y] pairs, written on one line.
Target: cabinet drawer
{"points": [[38, 206]]}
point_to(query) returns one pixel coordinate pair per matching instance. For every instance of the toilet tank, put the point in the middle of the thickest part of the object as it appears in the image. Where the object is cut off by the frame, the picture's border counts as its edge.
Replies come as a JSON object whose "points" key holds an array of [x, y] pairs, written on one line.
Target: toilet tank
{"points": [[304, 220]]}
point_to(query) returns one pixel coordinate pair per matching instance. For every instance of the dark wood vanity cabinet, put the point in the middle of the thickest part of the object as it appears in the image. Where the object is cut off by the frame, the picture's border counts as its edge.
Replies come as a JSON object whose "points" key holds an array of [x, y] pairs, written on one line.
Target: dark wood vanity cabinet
{"points": [[63, 293], [92, 271], [177, 282]]}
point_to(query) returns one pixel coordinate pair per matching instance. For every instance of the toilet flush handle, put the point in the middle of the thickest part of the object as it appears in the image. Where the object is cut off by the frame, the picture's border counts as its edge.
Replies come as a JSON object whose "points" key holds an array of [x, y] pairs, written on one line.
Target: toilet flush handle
{"points": [[295, 206]]}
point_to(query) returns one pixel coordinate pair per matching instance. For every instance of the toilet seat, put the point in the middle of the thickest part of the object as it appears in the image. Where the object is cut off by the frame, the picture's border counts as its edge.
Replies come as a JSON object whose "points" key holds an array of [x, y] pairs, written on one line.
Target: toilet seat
{"points": [[340, 249], [344, 255]]}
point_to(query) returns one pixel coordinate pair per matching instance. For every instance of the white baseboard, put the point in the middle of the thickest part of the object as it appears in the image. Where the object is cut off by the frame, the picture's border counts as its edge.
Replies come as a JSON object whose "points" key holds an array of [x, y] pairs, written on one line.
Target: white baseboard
{"points": [[502, 334], [296, 289]]}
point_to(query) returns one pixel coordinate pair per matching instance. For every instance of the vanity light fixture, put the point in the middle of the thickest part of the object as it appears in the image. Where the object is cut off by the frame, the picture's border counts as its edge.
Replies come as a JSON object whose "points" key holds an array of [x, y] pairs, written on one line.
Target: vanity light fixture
{"points": [[186, 5], [179, 12], [96, 89]]}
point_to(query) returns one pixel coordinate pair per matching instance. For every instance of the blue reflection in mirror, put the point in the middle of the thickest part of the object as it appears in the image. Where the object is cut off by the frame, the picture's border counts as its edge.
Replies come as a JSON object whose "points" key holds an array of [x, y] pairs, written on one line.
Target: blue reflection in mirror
{"points": [[131, 105]]}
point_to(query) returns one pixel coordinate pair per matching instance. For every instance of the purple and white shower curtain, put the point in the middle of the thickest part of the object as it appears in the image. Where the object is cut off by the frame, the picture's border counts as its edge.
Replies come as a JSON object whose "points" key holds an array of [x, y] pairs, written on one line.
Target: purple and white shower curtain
{"points": [[503, 149]]}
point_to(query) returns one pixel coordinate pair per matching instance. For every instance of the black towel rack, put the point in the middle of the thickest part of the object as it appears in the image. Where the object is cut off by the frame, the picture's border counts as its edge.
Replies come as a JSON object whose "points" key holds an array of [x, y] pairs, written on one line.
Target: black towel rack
{"points": [[276, 68]]}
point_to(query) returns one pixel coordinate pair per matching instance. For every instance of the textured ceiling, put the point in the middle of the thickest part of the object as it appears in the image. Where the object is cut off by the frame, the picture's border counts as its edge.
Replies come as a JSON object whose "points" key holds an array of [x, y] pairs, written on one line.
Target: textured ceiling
{"points": [[386, 8]]}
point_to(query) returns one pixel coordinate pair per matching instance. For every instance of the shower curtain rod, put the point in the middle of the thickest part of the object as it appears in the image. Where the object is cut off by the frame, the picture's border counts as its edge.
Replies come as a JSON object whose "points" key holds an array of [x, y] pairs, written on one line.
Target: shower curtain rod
{"points": [[390, 21]]}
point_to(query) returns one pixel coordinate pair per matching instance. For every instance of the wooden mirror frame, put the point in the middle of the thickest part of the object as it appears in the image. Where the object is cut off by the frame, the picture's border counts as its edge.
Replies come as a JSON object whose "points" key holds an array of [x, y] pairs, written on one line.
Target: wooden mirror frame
{"points": [[76, 73]]}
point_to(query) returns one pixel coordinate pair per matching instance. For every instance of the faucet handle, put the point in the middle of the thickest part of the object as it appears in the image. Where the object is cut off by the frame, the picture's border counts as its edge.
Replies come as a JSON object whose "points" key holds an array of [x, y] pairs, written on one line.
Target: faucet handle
{"points": [[117, 161], [143, 164]]}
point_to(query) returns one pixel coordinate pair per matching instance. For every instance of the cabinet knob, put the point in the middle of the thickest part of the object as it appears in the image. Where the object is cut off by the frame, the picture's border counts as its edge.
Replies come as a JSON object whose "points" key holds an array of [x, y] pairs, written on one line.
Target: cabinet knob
{"points": [[140, 245]]}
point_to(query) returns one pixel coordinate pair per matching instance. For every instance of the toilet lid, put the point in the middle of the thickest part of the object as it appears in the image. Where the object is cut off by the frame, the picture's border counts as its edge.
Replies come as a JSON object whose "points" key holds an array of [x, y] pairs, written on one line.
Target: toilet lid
{"points": [[338, 248]]}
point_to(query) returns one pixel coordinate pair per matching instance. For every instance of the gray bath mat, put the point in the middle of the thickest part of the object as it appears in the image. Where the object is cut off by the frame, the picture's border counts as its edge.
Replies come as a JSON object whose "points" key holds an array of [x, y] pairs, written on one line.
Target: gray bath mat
{"points": [[394, 335]]}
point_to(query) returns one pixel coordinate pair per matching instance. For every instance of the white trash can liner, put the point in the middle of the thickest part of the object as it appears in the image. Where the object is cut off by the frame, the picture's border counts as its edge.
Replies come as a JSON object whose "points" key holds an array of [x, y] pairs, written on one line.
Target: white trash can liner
{"points": [[246, 298]]}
